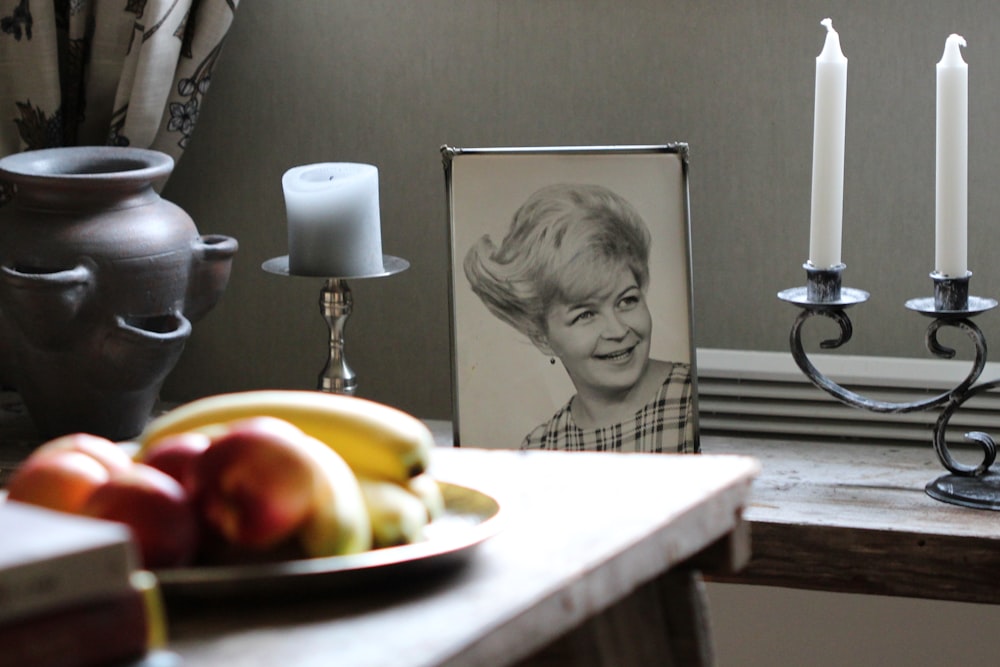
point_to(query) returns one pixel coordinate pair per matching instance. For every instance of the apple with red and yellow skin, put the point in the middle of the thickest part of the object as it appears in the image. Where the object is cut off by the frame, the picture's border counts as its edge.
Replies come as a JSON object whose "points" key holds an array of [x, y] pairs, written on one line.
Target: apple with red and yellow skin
{"points": [[176, 454], [60, 474], [157, 509], [255, 484], [107, 453], [59, 480]]}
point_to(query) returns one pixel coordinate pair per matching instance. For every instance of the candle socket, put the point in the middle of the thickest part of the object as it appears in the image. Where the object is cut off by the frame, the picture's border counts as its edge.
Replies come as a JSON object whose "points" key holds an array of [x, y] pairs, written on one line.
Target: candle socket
{"points": [[823, 285], [951, 293]]}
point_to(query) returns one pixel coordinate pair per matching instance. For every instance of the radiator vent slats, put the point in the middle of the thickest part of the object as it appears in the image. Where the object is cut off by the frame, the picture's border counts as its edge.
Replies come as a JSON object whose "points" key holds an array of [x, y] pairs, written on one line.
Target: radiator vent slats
{"points": [[765, 393]]}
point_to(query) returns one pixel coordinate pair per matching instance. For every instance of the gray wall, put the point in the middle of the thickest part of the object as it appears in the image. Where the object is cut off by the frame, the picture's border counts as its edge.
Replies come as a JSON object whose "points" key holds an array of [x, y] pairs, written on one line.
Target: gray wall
{"points": [[758, 626], [388, 82]]}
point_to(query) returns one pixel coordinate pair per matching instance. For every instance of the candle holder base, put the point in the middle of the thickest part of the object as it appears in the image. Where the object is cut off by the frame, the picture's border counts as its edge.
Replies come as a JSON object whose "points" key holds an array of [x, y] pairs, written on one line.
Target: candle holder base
{"points": [[336, 304], [981, 492]]}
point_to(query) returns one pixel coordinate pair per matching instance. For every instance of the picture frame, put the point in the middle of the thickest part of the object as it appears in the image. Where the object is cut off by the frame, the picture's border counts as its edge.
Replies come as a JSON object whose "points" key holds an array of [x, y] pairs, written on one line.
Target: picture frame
{"points": [[503, 385]]}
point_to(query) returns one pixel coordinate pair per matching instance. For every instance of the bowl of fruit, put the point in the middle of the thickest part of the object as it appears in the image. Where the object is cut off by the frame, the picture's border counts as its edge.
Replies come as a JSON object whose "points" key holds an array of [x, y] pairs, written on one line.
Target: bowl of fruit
{"points": [[268, 492]]}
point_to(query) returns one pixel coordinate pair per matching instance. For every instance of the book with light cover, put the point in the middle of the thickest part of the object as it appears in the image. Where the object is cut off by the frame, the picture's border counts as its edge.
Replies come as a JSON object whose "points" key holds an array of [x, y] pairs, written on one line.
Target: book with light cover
{"points": [[50, 560]]}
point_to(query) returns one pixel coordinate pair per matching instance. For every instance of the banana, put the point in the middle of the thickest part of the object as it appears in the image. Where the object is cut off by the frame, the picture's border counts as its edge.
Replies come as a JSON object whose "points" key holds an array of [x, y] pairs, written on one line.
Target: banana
{"points": [[376, 440], [427, 489], [340, 523], [397, 516]]}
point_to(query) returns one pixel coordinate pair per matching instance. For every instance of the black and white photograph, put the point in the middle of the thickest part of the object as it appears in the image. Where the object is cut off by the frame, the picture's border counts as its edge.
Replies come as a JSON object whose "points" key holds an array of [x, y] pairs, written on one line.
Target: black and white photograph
{"points": [[571, 298]]}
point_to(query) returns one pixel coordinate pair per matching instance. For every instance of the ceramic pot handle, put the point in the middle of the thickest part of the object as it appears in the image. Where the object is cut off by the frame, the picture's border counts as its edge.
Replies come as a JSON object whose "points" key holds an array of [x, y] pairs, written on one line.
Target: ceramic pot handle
{"points": [[65, 278], [155, 330], [215, 247], [44, 303], [212, 260], [139, 351]]}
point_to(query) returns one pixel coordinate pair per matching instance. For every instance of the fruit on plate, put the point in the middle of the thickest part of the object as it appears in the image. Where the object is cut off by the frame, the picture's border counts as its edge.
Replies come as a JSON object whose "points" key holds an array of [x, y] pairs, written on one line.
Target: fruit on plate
{"points": [[341, 524], [157, 509], [61, 473], [397, 515], [250, 477], [58, 480], [376, 440], [426, 488], [86, 474], [264, 481], [176, 454], [107, 453], [254, 484]]}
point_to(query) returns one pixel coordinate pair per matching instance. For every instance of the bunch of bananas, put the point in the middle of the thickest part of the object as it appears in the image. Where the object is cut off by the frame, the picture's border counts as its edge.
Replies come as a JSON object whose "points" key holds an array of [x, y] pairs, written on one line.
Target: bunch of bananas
{"points": [[386, 451]]}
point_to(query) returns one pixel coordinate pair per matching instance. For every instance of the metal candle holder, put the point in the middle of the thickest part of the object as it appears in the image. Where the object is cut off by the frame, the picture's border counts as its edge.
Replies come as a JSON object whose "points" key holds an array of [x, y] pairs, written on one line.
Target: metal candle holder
{"points": [[336, 303], [951, 306]]}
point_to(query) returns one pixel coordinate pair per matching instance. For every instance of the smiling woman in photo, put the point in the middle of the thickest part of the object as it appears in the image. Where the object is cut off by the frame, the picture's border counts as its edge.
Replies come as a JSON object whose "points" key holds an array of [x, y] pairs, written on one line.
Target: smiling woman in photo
{"points": [[571, 274]]}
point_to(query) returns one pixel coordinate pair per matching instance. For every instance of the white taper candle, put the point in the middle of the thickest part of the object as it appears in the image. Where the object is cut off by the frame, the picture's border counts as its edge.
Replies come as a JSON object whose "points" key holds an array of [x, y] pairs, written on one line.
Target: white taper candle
{"points": [[952, 165], [829, 124]]}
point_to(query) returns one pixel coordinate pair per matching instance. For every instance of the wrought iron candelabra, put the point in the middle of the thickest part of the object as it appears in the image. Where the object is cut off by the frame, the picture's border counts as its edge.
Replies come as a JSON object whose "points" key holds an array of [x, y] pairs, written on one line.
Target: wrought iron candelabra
{"points": [[974, 486]]}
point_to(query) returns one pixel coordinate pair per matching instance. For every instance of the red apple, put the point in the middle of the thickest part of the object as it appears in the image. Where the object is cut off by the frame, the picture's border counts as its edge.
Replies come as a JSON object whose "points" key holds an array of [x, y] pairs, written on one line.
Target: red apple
{"points": [[60, 480], [255, 484], [157, 509], [107, 453], [175, 454]]}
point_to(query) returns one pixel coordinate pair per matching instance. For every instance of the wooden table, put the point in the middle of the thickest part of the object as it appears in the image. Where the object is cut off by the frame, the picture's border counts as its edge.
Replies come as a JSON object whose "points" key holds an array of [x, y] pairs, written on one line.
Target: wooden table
{"points": [[851, 517], [597, 563]]}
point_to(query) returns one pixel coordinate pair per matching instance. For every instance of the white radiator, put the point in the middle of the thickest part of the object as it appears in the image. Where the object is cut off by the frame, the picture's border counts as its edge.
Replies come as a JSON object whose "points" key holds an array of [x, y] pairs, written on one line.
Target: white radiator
{"points": [[765, 394]]}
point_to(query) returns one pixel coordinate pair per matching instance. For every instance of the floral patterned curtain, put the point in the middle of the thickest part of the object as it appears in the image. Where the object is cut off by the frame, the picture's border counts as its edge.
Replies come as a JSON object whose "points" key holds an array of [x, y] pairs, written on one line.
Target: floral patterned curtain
{"points": [[106, 72]]}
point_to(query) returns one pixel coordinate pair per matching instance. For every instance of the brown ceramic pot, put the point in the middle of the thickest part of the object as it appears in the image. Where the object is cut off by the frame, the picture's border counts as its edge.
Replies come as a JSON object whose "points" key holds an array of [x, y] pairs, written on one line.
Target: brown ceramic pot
{"points": [[100, 279]]}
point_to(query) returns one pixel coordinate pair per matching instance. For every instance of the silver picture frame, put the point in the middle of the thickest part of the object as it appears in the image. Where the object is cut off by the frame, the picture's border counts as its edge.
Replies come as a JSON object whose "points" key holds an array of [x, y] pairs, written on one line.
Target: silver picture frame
{"points": [[502, 385]]}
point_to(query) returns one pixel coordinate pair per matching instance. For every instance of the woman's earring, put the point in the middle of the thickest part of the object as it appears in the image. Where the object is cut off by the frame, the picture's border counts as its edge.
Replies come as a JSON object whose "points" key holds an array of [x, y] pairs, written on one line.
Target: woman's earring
{"points": [[552, 360]]}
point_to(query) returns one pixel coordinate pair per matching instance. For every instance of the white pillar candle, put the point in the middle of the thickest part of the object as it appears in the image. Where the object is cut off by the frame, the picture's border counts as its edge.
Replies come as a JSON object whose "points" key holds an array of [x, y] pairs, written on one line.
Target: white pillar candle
{"points": [[334, 229], [952, 167], [829, 121]]}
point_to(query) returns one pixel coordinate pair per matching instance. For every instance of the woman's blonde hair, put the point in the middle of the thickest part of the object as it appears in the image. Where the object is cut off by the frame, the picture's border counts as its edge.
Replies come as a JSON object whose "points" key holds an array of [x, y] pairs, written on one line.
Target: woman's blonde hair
{"points": [[564, 244]]}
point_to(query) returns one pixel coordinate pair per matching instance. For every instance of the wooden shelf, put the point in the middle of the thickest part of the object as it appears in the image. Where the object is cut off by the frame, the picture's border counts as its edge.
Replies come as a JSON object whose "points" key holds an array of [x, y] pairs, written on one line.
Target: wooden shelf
{"points": [[855, 518]]}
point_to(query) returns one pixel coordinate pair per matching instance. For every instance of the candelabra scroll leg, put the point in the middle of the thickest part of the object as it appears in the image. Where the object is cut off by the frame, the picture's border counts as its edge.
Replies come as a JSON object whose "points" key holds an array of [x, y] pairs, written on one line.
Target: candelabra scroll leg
{"points": [[974, 333], [802, 359], [840, 393], [838, 316], [959, 395], [969, 486], [336, 303]]}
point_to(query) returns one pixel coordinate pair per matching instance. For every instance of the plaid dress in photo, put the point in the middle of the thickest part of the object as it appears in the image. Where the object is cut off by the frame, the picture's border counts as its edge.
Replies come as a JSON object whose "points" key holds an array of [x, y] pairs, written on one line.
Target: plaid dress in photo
{"points": [[664, 424]]}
